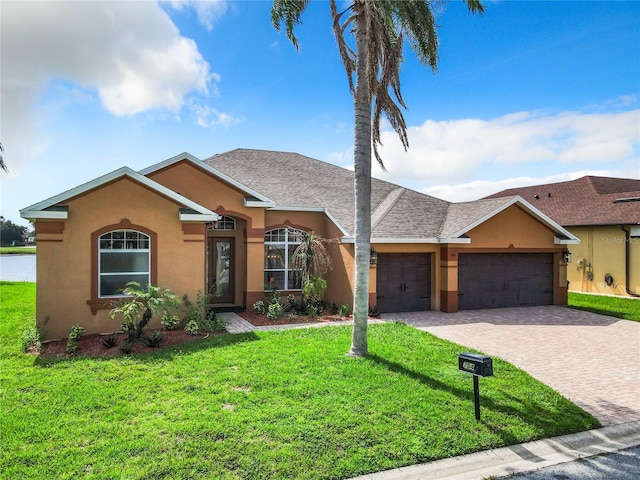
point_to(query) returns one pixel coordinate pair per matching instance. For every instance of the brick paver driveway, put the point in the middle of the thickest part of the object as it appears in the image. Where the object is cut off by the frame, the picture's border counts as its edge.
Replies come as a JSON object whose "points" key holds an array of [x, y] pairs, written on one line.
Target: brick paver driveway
{"points": [[591, 359]]}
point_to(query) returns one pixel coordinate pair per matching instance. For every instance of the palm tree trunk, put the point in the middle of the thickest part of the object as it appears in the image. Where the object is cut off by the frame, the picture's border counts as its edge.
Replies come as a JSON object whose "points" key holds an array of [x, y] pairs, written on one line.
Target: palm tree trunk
{"points": [[362, 161]]}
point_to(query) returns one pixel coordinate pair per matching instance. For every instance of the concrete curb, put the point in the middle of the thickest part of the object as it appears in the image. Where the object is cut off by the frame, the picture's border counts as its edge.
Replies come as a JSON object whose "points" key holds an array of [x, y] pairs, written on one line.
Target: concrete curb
{"points": [[524, 457]]}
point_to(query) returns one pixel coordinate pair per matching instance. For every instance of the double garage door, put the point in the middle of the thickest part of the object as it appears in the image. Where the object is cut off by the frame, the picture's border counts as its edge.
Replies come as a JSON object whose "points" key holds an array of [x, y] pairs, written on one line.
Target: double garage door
{"points": [[498, 280], [485, 280]]}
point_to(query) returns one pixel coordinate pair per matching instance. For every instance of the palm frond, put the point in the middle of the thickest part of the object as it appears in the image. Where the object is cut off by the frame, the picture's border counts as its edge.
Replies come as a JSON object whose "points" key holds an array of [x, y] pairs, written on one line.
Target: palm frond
{"points": [[289, 13]]}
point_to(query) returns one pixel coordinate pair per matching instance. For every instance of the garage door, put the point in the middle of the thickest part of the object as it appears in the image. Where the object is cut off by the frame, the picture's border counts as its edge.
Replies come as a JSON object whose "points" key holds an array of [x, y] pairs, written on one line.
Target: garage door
{"points": [[403, 282], [497, 280]]}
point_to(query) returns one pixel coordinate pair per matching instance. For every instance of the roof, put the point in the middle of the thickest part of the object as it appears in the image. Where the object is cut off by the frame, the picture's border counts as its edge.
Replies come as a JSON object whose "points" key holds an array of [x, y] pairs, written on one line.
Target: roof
{"points": [[589, 200], [51, 208], [398, 214]]}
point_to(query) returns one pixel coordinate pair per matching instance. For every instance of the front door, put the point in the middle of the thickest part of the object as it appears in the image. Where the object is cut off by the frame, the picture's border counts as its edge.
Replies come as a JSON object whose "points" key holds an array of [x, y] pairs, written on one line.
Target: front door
{"points": [[221, 271]]}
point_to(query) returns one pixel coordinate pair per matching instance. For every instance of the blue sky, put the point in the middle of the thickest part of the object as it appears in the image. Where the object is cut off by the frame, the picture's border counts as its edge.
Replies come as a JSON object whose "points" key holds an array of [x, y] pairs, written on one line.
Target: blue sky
{"points": [[531, 92]]}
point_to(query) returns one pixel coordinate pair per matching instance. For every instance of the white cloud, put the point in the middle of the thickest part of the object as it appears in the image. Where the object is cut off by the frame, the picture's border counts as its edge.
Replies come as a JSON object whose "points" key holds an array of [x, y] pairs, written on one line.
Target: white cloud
{"points": [[129, 53], [446, 151], [208, 11]]}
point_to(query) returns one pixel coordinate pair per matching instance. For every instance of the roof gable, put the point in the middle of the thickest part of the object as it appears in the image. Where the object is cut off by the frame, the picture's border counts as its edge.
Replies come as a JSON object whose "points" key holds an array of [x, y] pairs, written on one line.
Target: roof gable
{"points": [[49, 208], [464, 217]]}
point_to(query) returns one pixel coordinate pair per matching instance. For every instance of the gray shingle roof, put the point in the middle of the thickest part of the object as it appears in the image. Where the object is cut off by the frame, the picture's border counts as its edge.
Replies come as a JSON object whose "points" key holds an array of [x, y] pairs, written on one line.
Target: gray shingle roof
{"points": [[292, 180], [585, 201]]}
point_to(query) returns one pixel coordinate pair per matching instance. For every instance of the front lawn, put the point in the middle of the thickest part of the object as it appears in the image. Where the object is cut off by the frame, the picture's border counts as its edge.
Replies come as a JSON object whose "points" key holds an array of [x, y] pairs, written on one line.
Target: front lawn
{"points": [[17, 250], [285, 404], [620, 307]]}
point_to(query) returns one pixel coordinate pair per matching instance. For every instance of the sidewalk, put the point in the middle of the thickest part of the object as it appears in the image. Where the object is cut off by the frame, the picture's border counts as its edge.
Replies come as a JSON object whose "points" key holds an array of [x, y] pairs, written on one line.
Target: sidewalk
{"points": [[525, 457]]}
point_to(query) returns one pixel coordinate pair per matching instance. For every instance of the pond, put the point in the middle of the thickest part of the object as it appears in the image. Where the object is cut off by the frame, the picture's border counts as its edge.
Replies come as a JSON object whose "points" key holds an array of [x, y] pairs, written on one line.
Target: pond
{"points": [[18, 268]]}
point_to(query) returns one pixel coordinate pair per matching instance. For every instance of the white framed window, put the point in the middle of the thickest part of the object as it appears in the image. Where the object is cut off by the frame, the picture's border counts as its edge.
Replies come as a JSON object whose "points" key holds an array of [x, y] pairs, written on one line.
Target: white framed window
{"points": [[225, 223], [123, 256], [279, 245]]}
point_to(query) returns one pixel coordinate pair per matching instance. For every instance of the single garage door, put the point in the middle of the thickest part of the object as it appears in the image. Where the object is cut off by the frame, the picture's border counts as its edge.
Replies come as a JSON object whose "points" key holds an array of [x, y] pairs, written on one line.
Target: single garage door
{"points": [[497, 280], [403, 282]]}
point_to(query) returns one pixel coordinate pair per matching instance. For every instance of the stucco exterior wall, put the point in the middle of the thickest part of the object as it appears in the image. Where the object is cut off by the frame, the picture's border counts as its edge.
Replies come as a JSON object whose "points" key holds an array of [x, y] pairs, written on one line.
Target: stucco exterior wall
{"points": [[66, 260], [512, 230], [601, 252]]}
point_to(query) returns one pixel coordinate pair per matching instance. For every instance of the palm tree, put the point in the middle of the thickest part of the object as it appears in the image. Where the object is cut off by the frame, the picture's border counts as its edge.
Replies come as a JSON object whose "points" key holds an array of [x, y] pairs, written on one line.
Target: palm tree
{"points": [[3, 166], [380, 28]]}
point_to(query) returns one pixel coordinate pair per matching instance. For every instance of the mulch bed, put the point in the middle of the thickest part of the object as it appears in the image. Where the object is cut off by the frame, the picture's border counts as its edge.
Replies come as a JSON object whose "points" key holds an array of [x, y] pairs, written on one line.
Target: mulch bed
{"points": [[263, 321], [91, 345]]}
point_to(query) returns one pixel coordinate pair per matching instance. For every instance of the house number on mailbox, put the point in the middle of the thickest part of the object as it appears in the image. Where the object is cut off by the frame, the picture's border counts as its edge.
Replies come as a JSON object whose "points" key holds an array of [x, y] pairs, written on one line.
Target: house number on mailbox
{"points": [[478, 366]]}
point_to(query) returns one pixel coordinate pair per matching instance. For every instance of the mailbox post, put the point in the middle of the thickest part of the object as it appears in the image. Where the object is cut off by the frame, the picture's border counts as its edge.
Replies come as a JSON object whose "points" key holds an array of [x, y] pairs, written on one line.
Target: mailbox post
{"points": [[478, 366]]}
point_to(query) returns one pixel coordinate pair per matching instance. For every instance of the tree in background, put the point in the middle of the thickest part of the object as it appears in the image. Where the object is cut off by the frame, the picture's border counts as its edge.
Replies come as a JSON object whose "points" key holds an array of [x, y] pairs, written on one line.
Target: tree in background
{"points": [[12, 234], [380, 28]]}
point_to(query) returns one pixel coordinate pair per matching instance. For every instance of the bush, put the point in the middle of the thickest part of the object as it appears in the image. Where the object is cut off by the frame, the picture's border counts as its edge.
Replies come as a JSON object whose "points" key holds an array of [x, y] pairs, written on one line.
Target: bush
{"points": [[154, 341], [214, 323], [170, 322], [259, 308], [275, 311], [313, 312], [74, 335], [109, 341], [127, 346], [344, 311], [191, 327], [31, 338]]}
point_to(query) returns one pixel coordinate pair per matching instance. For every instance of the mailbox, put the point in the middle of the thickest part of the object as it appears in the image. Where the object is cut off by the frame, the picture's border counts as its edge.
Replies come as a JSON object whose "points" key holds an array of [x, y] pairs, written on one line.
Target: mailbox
{"points": [[479, 365]]}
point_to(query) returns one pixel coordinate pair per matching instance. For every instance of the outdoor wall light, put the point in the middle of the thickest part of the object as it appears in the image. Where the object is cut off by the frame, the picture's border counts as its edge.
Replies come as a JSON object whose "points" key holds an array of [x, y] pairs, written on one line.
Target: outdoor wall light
{"points": [[373, 257], [566, 255]]}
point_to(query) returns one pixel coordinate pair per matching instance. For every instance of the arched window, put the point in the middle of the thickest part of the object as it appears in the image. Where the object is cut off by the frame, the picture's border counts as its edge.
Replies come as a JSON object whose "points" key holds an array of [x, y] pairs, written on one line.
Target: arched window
{"points": [[225, 223], [279, 245], [123, 256]]}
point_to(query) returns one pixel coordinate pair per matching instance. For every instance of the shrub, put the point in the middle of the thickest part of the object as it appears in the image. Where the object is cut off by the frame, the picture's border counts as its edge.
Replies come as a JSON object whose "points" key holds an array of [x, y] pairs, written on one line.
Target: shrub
{"points": [[214, 323], [313, 312], [191, 327], [344, 311], [127, 346], [74, 335], [109, 341], [259, 308], [275, 311], [140, 305], [31, 338], [154, 341], [373, 311], [170, 322], [197, 311], [314, 288]]}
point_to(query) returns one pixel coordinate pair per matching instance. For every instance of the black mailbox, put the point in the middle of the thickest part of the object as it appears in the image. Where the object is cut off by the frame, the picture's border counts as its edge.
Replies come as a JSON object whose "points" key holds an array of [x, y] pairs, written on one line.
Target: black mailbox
{"points": [[479, 365]]}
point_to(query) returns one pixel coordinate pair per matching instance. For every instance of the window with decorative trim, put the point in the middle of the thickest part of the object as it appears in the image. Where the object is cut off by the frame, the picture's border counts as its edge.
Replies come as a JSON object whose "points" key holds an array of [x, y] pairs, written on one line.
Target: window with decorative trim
{"points": [[225, 223], [279, 245], [123, 256]]}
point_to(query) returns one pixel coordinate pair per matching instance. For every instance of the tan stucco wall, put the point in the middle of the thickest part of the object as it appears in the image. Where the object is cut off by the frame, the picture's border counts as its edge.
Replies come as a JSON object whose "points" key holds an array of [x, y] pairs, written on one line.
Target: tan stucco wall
{"points": [[64, 266], [602, 251], [513, 228]]}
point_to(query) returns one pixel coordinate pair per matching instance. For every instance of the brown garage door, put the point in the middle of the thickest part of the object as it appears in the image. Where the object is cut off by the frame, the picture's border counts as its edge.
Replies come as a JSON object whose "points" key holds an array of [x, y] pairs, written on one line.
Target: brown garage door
{"points": [[497, 280], [403, 282]]}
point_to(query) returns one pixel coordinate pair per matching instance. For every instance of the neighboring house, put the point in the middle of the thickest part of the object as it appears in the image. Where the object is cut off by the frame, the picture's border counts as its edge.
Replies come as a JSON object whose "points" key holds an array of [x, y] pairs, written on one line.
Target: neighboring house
{"points": [[229, 224], [604, 213]]}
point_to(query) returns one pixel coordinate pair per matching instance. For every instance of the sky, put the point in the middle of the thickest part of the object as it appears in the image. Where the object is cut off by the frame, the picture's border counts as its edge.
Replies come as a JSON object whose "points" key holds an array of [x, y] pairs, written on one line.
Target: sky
{"points": [[528, 93]]}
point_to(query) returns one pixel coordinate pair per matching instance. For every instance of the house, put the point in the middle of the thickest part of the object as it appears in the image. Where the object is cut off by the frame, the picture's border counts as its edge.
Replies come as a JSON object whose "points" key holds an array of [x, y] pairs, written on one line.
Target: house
{"points": [[228, 225], [604, 213]]}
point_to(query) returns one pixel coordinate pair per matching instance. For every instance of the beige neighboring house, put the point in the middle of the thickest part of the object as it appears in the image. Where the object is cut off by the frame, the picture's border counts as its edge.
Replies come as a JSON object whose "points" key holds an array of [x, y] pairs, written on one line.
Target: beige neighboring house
{"points": [[604, 213]]}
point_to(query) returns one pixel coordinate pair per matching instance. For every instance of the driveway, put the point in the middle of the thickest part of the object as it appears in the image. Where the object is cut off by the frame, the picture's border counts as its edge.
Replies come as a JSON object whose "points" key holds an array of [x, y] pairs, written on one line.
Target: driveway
{"points": [[591, 359]]}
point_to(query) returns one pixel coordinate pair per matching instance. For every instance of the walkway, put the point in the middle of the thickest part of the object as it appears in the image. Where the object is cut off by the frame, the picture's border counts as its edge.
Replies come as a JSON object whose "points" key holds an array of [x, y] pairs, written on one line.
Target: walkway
{"points": [[591, 359]]}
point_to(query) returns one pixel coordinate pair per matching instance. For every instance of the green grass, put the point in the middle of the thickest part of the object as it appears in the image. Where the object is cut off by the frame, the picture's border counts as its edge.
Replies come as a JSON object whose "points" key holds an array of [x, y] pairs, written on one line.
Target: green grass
{"points": [[17, 250], [267, 405], [620, 307]]}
